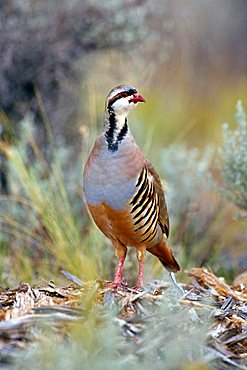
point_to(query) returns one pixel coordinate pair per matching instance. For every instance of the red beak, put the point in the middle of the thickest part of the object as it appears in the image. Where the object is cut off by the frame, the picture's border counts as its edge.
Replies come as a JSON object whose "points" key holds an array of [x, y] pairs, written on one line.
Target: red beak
{"points": [[137, 98]]}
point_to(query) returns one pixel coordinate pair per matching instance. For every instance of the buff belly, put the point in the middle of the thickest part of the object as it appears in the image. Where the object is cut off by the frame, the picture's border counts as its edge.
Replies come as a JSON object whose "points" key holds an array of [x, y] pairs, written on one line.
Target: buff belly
{"points": [[119, 225]]}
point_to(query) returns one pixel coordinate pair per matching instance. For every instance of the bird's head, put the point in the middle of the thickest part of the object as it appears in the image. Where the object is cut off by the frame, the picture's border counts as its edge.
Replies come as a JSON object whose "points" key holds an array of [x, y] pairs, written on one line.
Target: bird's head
{"points": [[122, 99]]}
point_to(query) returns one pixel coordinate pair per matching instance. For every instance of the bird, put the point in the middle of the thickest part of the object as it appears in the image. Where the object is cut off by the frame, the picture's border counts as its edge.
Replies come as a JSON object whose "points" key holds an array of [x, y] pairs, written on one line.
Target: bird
{"points": [[123, 191]]}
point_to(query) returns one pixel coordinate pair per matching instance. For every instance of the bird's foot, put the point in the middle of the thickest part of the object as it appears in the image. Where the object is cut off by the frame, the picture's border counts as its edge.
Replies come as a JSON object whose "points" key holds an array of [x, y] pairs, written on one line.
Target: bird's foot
{"points": [[138, 287], [116, 284]]}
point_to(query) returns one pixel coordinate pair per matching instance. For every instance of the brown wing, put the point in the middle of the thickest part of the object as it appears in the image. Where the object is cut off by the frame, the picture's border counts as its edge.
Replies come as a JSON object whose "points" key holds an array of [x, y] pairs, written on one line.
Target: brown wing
{"points": [[163, 217], [162, 249]]}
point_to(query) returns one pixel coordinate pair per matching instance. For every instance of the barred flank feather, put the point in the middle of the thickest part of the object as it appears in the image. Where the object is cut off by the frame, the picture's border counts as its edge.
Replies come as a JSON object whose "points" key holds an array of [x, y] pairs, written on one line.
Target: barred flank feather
{"points": [[145, 208]]}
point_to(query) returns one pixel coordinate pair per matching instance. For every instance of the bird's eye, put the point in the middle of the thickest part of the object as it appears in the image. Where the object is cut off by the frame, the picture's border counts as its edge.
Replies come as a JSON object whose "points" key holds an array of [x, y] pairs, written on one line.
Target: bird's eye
{"points": [[124, 94]]}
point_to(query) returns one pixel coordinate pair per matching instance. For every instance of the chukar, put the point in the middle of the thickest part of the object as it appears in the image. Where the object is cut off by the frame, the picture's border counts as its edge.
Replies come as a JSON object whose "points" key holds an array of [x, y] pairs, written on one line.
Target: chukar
{"points": [[123, 191]]}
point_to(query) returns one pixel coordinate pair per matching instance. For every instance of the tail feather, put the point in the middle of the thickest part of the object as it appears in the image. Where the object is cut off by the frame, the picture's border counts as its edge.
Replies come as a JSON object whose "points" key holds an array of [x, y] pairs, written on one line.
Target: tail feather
{"points": [[165, 255]]}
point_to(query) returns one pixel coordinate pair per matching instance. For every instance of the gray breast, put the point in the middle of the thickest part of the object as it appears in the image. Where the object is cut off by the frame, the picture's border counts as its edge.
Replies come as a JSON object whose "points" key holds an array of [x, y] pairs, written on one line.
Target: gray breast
{"points": [[105, 180]]}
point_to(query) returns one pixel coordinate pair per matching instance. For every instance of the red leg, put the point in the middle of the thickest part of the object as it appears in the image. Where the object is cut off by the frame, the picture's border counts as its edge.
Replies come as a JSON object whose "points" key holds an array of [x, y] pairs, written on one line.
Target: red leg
{"points": [[120, 252], [118, 277], [140, 276]]}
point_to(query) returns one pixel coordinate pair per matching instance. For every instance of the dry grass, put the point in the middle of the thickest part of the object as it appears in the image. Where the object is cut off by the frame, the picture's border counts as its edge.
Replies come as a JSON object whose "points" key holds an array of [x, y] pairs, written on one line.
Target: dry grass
{"points": [[208, 324]]}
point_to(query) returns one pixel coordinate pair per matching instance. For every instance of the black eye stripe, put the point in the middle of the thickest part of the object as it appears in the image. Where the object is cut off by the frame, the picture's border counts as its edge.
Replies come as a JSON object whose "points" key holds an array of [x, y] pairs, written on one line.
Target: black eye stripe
{"points": [[119, 96]]}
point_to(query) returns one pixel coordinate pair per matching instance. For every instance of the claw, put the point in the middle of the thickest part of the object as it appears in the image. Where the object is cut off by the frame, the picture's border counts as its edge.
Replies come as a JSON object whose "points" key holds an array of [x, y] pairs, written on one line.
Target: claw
{"points": [[116, 284], [138, 288]]}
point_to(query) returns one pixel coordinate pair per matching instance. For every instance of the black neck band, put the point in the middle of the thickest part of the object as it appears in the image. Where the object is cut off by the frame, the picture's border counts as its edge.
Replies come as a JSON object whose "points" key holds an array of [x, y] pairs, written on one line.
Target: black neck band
{"points": [[109, 134]]}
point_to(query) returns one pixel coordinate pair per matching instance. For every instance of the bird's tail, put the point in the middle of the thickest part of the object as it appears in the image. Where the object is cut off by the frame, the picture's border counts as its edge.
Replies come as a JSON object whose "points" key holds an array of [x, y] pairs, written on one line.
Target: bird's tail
{"points": [[165, 255]]}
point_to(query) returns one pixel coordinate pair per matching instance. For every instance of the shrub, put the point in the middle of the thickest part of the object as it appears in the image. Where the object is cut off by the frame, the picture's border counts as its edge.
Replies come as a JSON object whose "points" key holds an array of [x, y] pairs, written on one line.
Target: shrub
{"points": [[232, 161]]}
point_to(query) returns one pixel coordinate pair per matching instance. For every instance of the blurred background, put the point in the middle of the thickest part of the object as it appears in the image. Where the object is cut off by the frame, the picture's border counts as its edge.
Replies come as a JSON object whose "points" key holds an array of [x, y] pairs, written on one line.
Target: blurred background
{"points": [[58, 61]]}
